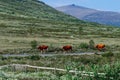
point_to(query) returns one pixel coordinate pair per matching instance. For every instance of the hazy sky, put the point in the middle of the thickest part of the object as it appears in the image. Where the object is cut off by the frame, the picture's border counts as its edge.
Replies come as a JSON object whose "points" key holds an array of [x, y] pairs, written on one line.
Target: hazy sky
{"points": [[107, 5]]}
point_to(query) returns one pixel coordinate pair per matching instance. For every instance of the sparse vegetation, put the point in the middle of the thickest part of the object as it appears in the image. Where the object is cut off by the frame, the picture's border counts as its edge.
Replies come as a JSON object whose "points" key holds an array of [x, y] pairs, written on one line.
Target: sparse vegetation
{"points": [[91, 44], [34, 44], [108, 54], [107, 71], [84, 45]]}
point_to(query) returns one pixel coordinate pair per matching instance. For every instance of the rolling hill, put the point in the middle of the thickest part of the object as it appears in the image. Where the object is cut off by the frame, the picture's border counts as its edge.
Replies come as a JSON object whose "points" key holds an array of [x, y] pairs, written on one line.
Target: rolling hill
{"points": [[22, 21], [92, 15], [31, 9]]}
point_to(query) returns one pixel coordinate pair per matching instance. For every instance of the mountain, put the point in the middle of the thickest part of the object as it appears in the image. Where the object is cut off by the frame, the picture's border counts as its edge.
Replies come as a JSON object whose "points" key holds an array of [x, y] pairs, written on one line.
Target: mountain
{"points": [[104, 17], [92, 15], [77, 11]]}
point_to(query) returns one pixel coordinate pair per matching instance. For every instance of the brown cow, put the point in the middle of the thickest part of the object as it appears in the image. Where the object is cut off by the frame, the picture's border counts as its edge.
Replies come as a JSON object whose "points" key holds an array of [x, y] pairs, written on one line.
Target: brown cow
{"points": [[67, 48], [43, 48], [100, 47]]}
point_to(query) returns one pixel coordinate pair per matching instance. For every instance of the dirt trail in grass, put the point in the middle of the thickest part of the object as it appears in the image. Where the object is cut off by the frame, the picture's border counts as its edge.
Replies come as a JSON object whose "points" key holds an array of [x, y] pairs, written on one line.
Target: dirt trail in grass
{"points": [[49, 54]]}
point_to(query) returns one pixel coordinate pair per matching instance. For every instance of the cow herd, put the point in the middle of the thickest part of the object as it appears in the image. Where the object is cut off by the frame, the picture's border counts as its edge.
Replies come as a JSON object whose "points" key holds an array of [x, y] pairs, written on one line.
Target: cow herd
{"points": [[43, 48]]}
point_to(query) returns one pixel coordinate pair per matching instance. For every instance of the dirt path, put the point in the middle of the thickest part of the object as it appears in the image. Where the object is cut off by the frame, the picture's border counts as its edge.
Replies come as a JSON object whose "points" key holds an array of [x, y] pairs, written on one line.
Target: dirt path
{"points": [[48, 54]]}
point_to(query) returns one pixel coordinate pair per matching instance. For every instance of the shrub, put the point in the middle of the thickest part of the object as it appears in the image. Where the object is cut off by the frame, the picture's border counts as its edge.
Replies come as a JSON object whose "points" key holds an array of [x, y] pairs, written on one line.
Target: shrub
{"points": [[35, 57], [84, 45], [34, 44], [108, 54], [80, 30], [91, 44]]}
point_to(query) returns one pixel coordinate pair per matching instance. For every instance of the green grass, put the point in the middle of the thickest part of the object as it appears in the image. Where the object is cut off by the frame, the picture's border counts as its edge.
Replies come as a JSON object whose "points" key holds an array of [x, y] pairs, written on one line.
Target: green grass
{"points": [[99, 72], [35, 20], [22, 31], [60, 61]]}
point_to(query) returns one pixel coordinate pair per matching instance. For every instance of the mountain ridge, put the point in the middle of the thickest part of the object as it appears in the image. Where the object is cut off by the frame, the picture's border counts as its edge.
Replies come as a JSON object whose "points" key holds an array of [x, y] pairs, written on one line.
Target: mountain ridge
{"points": [[73, 10], [92, 15]]}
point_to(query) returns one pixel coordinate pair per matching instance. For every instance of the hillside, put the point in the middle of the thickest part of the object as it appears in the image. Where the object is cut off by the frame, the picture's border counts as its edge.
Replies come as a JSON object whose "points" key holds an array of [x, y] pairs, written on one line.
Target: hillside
{"points": [[31, 9], [92, 15], [22, 21]]}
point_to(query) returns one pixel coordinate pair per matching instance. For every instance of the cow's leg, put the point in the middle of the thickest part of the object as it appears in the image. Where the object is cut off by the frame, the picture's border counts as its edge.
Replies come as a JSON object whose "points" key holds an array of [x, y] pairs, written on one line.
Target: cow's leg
{"points": [[41, 51]]}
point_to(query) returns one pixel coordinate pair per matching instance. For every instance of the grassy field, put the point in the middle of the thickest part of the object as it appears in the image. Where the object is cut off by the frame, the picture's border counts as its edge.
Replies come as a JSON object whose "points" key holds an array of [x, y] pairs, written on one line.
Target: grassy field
{"points": [[95, 66], [24, 42], [18, 33], [105, 73]]}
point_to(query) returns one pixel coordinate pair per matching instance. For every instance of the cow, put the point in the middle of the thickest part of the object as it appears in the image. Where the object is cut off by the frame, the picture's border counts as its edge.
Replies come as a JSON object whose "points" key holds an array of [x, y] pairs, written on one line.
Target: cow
{"points": [[67, 48], [100, 47], [42, 48]]}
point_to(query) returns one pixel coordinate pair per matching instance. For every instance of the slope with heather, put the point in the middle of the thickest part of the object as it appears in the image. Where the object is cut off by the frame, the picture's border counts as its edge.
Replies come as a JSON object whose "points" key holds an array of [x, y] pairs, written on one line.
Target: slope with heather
{"points": [[22, 21]]}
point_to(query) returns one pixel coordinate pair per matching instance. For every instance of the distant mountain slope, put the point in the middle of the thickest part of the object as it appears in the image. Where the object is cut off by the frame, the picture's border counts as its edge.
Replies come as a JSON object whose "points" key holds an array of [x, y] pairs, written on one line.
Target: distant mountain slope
{"points": [[77, 11], [104, 17], [83, 13]]}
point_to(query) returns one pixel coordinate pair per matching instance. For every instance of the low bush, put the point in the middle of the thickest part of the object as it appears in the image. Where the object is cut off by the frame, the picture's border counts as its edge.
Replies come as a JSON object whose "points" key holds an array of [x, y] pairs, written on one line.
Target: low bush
{"points": [[34, 44], [35, 57], [108, 54], [83, 45], [91, 44]]}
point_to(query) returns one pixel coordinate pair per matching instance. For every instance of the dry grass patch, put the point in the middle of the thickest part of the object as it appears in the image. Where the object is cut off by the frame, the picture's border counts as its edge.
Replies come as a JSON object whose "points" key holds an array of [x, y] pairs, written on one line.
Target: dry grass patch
{"points": [[24, 42]]}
